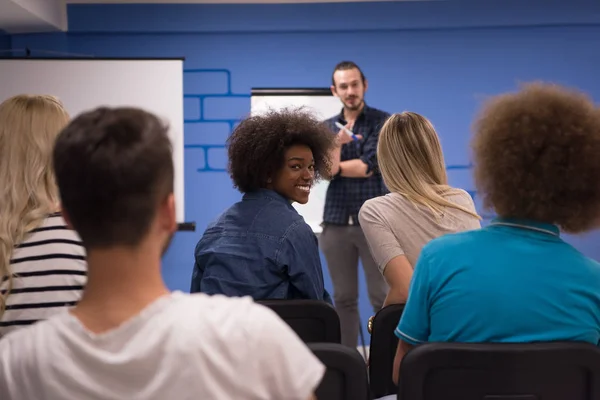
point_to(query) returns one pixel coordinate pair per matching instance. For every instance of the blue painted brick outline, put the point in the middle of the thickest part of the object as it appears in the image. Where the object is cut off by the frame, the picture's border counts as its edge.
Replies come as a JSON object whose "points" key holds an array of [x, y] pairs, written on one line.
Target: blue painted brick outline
{"points": [[201, 97]]}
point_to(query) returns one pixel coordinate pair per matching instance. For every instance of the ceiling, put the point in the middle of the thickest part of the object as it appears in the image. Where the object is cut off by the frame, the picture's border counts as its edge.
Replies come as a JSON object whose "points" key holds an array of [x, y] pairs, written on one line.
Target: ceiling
{"points": [[24, 16], [28, 16], [219, 1]]}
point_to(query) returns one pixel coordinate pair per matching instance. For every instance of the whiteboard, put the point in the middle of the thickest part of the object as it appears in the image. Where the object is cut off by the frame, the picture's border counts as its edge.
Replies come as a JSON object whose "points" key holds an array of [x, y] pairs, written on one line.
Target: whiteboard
{"points": [[323, 105], [155, 85]]}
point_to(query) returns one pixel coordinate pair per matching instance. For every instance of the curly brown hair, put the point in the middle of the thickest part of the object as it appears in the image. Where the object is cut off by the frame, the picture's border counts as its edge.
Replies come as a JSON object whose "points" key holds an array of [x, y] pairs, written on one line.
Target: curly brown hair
{"points": [[536, 156], [257, 146]]}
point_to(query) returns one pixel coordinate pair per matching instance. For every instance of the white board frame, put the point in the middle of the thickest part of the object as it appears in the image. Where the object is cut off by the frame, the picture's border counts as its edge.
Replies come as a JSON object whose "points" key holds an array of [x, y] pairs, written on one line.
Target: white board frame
{"points": [[153, 84]]}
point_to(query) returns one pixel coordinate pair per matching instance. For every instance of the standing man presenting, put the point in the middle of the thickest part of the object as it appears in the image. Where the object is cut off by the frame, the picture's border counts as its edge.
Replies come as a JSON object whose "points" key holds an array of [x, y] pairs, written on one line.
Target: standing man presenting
{"points": [[355, 178]]}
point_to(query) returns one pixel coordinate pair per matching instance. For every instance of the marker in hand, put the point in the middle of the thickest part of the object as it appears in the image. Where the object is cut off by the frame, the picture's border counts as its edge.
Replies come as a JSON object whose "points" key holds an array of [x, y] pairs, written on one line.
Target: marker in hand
{"points": [[346, 130]]}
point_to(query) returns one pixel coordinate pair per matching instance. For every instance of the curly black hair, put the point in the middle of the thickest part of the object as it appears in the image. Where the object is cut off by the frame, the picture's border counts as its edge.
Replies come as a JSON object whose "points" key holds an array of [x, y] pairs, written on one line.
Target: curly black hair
{"points": [[536, 156], [257, 146]]}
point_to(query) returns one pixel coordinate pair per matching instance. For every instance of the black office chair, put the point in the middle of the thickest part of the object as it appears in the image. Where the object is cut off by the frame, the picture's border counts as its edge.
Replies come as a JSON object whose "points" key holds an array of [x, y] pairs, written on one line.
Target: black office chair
{"points": [[346, 375], [534, 371], [312, 320], [383, 349]]}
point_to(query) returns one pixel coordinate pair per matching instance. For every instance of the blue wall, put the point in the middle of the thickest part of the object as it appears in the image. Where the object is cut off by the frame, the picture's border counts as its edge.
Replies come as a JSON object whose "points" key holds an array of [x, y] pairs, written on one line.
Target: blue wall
{"points": [[5, 44], [436, 58]]}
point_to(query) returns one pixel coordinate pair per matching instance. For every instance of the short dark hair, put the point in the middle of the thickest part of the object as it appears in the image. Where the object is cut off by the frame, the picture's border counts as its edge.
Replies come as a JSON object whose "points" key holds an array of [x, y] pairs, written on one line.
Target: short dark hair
{"points": [[257, 146], [344, 66], [113, 167], [536, 156]]}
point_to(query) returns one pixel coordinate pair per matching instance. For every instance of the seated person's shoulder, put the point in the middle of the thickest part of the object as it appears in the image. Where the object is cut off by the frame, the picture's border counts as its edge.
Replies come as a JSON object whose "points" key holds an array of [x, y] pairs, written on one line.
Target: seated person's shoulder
{"points": [[389, 207], [219, 222], [590, 265], [277, 209], [593, 265], [20, 347], [386, 201], [373, 204], [462, 198], [55, 227], [278, 219], [298, 238], [237, 321], [266, 217], [299, 227], [371, 210], [265, 345], [220, 309]]}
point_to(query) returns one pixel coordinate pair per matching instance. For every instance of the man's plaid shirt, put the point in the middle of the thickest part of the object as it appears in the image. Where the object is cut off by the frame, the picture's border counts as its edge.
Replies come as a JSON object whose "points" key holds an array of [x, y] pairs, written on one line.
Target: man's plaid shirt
{"points": [[345, 196]]}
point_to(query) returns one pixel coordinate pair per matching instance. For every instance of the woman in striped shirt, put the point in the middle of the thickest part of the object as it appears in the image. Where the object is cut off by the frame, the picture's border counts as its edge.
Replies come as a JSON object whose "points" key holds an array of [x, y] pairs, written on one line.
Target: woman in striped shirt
{"points": [[42, 261]]}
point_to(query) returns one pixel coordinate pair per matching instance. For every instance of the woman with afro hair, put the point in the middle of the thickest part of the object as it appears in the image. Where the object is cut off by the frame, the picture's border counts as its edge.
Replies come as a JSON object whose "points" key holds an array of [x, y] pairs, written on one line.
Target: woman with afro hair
{"points": [[261, 247], [516, 280]]}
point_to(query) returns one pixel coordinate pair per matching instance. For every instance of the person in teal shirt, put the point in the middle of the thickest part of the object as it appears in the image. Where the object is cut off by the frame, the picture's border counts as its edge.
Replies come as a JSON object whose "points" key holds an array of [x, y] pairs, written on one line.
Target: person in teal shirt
{"points": [[516, 280]]}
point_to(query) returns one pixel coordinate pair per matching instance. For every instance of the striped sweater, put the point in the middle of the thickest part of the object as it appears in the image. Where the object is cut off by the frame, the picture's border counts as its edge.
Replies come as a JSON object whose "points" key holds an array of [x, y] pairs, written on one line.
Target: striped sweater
{"points": [[49, 273]]}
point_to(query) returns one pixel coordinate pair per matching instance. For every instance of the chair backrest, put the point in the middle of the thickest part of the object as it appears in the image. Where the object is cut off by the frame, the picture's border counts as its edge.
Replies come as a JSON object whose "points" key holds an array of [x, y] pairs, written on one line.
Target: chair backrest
{"points": [[383, 349], [525, 371], [312, 320], [346, 375]]}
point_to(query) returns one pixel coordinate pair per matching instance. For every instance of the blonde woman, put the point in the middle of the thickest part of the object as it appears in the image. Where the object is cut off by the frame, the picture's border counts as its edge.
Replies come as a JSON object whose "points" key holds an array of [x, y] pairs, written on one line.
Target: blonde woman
{"points": [[42, 262], [420, 206]]}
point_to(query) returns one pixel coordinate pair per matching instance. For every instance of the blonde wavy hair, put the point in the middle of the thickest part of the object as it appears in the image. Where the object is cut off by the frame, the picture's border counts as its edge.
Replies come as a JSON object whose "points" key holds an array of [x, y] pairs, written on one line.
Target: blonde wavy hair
{"points": [[412, 163], [29, 125]]}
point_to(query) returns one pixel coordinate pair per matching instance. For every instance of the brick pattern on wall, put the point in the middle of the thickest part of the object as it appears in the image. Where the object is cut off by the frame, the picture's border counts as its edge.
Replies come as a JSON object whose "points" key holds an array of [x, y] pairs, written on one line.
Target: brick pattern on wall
{"points": [[211, 111]]}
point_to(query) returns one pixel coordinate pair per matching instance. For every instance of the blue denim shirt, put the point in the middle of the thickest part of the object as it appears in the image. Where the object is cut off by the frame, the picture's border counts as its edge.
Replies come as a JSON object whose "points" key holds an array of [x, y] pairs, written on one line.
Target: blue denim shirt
{"points": [[260, 247]]}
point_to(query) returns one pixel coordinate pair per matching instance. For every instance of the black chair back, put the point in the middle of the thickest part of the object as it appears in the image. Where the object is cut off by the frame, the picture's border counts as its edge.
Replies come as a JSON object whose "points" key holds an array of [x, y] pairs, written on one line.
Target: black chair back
{"points": [[346, 375], [528, 371], [312, 320], [383, 349]]}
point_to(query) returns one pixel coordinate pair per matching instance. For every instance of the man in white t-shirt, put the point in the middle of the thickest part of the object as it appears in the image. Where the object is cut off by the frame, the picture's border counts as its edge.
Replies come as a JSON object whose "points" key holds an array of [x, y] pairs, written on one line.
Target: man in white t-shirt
{"points": [[129, 337]]}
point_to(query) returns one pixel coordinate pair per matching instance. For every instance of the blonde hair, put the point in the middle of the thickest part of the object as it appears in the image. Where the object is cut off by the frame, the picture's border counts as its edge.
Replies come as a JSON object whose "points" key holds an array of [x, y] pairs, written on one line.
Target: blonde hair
{"points": [[412, 163], [29, 126]]}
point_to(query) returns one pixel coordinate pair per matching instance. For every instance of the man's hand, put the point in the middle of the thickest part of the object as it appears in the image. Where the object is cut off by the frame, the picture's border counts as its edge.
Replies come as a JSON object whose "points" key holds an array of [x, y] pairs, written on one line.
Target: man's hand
{"points": [[343, 137]]}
